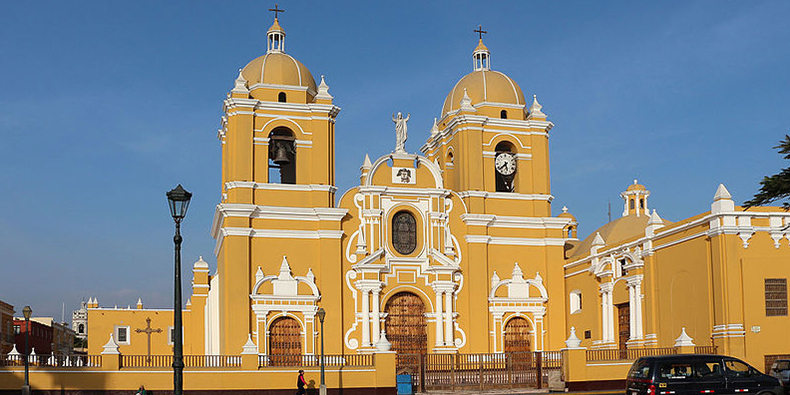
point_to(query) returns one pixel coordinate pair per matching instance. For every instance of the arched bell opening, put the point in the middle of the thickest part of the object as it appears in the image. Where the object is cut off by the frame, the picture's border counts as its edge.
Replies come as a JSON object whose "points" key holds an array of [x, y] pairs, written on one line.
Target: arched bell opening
{"points": [[505, 163], [282, 156]]}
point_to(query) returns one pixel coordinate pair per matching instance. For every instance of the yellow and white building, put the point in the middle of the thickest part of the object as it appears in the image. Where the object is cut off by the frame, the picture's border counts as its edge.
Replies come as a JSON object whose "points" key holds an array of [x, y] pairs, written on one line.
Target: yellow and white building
{"points": [[450, 250]]}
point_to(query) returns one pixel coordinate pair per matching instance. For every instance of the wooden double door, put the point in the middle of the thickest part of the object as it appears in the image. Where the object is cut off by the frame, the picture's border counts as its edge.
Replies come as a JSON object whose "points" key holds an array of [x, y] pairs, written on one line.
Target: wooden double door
{"points": [[285, 342], [516, 337], [405, 324], [623, 324]]}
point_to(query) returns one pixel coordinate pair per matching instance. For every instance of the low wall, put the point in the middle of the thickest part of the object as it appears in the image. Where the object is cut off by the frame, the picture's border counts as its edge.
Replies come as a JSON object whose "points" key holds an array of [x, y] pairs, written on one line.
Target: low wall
{"points": [[607, 369], [379, 378]]}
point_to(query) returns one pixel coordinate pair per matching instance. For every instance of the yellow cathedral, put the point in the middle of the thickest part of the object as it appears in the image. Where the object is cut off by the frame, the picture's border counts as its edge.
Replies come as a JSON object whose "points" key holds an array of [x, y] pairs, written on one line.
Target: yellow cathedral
{"points": [[450, 250]]}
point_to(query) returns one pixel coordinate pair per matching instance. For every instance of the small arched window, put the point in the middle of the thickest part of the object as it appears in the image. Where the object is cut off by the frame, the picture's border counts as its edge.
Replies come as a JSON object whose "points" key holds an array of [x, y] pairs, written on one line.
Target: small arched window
{"points": [[642, 203], [503, 114], [404, 232], [81, 329], [282, 156], [281, 97], [631, 204]]}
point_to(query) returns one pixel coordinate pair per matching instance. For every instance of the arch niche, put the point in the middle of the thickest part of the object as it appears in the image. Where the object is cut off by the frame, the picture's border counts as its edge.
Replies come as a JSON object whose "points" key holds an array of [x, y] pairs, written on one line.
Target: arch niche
{"points": [[285, 342], [405, 324]]}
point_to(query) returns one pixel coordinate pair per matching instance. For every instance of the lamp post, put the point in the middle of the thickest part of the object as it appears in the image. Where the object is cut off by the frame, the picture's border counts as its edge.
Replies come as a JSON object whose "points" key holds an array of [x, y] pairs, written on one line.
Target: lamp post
{"points": [[321, 314], [27, 311], [178, 199]]}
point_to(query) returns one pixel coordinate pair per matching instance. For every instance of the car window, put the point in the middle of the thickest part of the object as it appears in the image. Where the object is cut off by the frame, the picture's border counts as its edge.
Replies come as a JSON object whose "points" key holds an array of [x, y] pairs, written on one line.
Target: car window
{"points": [[640, 370], [781, 366], [707, 370], [737, 369], [674, 371]]}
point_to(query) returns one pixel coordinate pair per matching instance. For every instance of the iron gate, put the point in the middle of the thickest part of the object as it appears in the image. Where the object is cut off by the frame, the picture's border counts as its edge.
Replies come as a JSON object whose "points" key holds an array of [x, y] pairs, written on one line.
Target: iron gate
{"points": [[481, 371]]}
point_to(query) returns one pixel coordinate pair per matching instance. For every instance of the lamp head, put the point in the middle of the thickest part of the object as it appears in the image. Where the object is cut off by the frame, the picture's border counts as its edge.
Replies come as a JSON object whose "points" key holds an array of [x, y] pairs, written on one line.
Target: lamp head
{"points": [[27, 311], [178, 199], [321, 314]]}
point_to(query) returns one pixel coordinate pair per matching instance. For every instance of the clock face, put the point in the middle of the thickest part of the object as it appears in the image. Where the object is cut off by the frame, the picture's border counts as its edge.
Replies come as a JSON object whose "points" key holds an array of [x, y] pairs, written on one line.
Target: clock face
{"points": [[505, 163]]}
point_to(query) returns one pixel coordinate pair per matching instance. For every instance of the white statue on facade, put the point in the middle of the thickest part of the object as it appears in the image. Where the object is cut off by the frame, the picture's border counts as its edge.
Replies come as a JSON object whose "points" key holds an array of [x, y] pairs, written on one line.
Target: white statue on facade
{"points": [[400, 132]]}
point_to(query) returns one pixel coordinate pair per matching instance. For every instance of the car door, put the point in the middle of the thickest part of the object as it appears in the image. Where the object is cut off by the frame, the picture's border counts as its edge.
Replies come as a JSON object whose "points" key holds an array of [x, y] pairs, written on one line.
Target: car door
{"points": [[675, 378], [709, 376], [741, 378]]}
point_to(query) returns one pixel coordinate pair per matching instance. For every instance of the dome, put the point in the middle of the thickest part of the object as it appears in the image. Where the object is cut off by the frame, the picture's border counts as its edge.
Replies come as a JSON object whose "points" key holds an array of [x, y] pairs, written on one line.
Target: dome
{"points": [[277, 68], [616, 231], [484, 86], [636, 187]]}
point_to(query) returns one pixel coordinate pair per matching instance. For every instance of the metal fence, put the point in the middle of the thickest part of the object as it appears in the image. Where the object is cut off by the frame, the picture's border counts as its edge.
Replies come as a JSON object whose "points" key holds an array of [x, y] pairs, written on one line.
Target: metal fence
{"points": [[479, 371], [352, 360], [56, 360]]}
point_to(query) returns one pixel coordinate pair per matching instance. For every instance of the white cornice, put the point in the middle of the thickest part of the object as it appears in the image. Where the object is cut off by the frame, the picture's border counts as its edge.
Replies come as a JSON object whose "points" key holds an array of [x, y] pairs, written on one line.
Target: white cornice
{"points": [[505, 195], [714, 230], [501, 221], [385, 190], [483, 123], [280, 187], [519, 241], [282, 233], [224, 210]]}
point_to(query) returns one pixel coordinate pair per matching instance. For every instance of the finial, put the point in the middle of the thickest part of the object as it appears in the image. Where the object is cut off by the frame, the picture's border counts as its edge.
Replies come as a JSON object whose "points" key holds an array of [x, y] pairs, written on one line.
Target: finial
{"points": [[276, 11], [366, 163], [564, 209], [323, 91], [535, 109], [634, 181], [466, 102], [480, 31], [240, 85], [434, 128]]}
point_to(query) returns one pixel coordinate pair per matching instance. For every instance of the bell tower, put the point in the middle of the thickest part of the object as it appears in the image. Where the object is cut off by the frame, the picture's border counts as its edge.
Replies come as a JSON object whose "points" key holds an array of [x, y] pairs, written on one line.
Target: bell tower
{"points": [[493, 148], [278, 186], [491, 144]]}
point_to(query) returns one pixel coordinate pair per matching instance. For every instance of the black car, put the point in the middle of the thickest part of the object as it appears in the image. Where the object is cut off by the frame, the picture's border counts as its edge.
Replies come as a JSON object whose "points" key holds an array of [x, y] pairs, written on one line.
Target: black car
{"points": [[686, 374]]}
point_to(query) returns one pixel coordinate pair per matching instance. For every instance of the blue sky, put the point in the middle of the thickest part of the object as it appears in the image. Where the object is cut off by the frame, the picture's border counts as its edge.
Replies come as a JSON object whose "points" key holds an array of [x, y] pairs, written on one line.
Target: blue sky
{"points": [[104, 106]]}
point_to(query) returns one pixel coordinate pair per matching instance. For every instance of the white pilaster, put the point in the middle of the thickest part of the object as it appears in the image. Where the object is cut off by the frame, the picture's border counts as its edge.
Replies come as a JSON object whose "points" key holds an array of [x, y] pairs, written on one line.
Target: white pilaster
{"points": [[631, 313], [638, 315], [365, 318], [376, 331], [448, 319], [439, 326]]}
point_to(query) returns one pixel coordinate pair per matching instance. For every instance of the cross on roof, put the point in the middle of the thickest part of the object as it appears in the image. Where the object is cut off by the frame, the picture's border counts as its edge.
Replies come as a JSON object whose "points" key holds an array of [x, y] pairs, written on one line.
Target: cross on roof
{"points": [[276, 11], [480, 31]]}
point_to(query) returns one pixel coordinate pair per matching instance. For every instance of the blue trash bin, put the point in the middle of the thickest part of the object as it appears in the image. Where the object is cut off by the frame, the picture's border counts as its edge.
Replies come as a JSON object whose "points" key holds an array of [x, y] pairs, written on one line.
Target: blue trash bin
{"points": [[403, 382]]}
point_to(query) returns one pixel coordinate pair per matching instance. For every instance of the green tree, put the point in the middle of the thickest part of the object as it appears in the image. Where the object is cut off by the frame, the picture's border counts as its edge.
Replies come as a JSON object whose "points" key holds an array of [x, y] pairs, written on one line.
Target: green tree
{"points": [[777, 186]]}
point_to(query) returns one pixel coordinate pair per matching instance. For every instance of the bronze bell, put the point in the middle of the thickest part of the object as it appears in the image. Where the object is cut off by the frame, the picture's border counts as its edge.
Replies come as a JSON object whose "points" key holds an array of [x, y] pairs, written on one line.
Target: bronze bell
{"points": [[281, 154]]}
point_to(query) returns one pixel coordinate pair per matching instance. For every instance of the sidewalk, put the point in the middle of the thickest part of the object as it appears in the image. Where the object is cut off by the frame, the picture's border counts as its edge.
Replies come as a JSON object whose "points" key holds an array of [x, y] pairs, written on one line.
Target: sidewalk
{"points": [[518, 391]]}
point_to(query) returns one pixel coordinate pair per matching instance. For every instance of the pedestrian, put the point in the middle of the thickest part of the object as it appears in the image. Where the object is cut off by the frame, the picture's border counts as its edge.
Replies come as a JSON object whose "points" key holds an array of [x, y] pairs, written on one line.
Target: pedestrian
{"points": [[300, 383], [140, 391]]}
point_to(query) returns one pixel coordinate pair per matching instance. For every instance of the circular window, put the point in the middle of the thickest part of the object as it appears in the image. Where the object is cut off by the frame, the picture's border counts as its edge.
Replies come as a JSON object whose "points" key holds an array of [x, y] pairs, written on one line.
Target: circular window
{"points": [[404, 232]]}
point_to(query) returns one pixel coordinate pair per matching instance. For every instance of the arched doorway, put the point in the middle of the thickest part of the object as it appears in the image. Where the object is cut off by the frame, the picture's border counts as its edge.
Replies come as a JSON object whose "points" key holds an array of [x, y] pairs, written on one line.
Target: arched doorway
{"points": [[405, 324], [285, 342], [516, 335]]}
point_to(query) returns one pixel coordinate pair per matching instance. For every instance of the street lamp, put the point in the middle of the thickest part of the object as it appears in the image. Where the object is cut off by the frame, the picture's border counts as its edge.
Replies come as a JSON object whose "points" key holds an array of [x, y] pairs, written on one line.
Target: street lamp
{"points": [[178, 199], [321, 314], [27, 311]]}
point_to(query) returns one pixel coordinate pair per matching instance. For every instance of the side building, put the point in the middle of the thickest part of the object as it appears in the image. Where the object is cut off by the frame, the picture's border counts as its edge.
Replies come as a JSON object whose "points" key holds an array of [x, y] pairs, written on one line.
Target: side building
{"points": [[6, 327], [720, 277]]}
